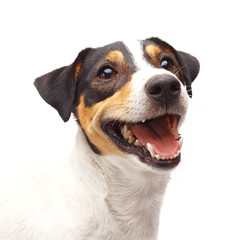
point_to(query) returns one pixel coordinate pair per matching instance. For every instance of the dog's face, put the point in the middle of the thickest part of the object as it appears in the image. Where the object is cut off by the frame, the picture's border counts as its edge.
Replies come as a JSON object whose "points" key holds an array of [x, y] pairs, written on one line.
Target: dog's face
{"points": [[129, 99]]}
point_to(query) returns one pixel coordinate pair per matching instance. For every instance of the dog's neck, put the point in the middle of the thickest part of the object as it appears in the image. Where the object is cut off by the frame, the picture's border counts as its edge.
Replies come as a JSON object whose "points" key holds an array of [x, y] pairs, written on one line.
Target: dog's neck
{"points": [[134, 200], [133, 196]]}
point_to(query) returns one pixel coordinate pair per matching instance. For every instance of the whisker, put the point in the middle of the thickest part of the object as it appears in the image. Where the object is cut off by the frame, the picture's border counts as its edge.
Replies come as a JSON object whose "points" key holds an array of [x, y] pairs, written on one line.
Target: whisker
{"points": [[180, 68]]}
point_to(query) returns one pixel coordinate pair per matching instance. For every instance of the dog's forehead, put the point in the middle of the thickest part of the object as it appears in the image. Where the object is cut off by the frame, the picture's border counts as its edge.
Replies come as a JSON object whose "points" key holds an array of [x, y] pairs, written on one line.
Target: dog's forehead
{"points": [[133, 50], [114, 52], [138, 53]]}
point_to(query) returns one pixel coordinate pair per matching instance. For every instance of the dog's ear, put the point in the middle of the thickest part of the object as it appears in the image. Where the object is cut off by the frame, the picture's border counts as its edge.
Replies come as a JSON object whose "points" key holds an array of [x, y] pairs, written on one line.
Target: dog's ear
{"points": [[57, 88], [190, 66]]}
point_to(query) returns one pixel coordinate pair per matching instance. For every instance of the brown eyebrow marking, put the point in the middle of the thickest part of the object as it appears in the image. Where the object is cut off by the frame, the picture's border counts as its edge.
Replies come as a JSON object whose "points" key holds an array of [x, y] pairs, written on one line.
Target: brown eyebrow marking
{"points": [[153, 51], [115, 56]]}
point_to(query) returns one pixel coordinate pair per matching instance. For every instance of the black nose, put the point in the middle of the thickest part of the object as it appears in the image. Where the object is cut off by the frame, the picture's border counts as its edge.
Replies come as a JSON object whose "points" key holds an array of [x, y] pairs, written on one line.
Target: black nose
{"points": [[163, 89]]}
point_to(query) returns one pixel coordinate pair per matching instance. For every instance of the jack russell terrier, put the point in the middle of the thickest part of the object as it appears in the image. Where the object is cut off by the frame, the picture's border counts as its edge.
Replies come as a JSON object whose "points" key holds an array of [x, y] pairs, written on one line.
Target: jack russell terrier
{"points": [[129, 101]]}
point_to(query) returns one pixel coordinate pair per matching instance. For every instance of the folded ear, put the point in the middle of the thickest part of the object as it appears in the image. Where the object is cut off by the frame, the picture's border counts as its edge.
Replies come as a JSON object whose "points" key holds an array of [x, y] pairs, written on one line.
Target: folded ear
{"points": [[190, 66], [58, 87]]}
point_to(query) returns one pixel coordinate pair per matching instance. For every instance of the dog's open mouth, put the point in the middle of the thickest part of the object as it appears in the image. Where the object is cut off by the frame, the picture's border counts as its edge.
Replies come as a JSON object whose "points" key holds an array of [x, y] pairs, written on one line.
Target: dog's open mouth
{"points": [[156, 141]]}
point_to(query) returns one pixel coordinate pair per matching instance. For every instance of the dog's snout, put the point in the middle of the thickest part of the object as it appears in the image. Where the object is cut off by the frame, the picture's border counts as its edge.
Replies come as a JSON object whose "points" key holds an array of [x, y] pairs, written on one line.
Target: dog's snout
{"points": [[163, 89]]}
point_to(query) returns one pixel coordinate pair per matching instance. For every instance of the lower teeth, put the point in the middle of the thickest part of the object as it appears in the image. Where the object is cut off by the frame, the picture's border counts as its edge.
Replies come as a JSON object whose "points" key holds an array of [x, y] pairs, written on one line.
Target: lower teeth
{"points": [[166, 158], [151, 150], [156, 156]]}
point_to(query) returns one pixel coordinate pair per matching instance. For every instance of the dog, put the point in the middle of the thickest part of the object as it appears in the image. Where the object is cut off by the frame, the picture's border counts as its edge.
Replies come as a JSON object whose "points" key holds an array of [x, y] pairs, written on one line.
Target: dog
{"points": [[129, 100]]}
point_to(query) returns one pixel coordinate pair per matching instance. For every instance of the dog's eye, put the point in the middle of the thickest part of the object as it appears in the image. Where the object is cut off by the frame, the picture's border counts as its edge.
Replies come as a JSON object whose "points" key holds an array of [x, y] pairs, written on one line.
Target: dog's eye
{"points": [[106, 73], [167, 64]]}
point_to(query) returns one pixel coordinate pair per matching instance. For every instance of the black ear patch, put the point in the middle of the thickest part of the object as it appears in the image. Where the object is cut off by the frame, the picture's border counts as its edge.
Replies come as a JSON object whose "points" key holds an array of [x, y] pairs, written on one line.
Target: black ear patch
{"points": [[190, 66], [58, 87]]}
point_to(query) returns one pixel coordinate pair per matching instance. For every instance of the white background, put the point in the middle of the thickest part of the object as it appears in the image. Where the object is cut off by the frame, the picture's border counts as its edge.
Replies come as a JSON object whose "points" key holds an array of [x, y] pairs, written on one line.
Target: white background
{"points": [[202, 200]]}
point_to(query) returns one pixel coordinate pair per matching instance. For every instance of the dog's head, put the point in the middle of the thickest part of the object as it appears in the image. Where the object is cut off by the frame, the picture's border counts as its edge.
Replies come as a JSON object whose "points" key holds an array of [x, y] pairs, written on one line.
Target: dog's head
{"points": [[129, 99]]}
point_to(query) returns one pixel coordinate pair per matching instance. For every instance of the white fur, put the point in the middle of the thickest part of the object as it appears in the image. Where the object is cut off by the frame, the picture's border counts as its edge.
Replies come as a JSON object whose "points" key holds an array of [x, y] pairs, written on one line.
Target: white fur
{"points": [[83, 197], [87, 196]]}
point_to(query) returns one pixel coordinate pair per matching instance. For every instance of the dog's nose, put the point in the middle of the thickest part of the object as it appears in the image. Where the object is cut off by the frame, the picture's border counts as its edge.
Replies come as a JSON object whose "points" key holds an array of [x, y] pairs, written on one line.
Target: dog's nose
{"points": [[163, 89]]}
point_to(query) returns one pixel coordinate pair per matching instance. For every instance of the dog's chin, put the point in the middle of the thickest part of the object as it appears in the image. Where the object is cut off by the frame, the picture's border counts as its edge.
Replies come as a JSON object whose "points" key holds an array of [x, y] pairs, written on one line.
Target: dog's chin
{"points": [[156, 142]]}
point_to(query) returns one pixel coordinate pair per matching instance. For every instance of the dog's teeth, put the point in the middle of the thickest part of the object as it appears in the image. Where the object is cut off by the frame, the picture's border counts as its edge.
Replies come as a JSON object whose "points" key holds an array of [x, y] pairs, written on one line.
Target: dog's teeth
{"points": [[125, 136], [137, 143], [143, 120], [165, 158], [180, 143], [151, 150], [176, 154], [131, 139], [125, 128], [126, 132], [129, 133]]}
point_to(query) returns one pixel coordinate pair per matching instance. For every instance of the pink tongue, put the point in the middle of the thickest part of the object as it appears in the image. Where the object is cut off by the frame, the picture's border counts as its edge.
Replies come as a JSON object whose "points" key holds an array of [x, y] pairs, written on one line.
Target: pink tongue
{"points": [[158, 135]]}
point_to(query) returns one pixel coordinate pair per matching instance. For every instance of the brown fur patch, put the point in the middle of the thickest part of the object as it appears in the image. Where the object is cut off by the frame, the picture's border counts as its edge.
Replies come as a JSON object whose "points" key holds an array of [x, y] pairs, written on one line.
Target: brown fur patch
{"points": [[77, 70], [91, 118], [115, 56], [153, 51]]}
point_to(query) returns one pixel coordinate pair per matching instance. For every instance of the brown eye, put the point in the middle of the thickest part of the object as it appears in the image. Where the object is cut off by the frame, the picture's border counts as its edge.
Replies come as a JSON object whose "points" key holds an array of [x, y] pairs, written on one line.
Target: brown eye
{"points": [[106, 73], [167, 64]]}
